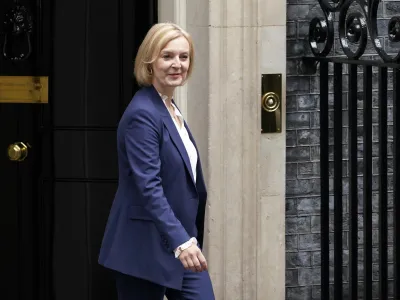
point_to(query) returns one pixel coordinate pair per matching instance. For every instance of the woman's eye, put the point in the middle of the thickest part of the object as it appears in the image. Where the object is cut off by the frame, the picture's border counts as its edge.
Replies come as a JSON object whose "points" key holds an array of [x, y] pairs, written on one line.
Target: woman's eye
{"points": [[184, 57]]}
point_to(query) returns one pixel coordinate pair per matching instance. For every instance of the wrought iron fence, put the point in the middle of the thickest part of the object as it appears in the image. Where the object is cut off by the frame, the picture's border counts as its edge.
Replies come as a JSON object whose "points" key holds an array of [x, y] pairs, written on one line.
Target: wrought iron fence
{"points": [[353, 28]]}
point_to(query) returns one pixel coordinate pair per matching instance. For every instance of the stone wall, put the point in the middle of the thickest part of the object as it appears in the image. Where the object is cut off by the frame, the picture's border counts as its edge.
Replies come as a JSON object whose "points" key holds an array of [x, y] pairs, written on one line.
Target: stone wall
{"points": [[302, 157]]}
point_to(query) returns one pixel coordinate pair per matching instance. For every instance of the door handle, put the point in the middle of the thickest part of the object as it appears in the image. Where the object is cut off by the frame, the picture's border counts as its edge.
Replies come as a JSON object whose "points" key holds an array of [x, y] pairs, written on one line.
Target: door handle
{"points": [[18, 151], [18, 26]]}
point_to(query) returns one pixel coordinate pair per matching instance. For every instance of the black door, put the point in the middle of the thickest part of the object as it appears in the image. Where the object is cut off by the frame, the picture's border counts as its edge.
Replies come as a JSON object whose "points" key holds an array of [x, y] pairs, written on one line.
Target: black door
{"points": [[58, 164]]}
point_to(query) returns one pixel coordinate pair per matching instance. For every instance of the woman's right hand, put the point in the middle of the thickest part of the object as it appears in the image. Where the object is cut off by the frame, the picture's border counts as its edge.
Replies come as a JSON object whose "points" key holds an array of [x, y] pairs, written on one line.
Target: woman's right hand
{"points": [[193, 259]]}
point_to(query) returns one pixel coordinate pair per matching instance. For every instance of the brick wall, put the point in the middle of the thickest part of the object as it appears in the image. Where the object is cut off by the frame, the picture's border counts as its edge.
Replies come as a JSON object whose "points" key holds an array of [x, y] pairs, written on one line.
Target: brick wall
{"points": [[302, 155]]}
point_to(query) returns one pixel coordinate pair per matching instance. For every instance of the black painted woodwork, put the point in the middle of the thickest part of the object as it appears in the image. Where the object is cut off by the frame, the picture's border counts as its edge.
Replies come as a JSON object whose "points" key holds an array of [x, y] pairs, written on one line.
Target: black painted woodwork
{"points": [[54, 205]]}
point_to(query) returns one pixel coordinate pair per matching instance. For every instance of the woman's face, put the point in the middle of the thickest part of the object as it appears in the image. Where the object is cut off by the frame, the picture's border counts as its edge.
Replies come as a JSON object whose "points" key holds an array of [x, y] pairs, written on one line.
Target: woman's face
{"points": [[171, 66]]}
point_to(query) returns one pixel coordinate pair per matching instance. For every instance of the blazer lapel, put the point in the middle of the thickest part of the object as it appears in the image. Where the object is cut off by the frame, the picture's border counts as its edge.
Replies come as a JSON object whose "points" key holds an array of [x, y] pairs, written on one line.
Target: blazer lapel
{"points": [[200, 178], [189, 132], [191, 137], [176, 139], [170, 125]]}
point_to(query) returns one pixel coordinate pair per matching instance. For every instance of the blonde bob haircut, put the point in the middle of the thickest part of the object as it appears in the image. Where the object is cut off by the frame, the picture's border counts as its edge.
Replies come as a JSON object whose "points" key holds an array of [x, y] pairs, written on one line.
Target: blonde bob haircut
{"points": [[156, 39]]}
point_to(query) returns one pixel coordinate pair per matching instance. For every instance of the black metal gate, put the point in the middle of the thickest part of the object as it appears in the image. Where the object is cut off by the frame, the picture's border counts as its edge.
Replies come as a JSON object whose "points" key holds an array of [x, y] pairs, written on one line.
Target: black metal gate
{"points": [[373, 166]]}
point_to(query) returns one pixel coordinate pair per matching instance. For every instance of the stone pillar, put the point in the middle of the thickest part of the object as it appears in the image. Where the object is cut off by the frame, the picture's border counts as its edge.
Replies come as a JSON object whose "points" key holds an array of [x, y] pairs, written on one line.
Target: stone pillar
{"points": [[233, 148], [271, 237]]}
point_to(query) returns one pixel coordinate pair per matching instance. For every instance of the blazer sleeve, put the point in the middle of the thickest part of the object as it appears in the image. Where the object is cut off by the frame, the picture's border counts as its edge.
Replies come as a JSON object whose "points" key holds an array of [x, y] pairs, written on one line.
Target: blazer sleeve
{"points": [[142, 149]]}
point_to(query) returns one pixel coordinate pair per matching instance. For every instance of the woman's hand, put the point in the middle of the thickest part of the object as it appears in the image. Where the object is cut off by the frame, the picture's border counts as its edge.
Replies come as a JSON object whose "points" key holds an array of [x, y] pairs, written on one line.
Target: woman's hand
{"points": [[193, 259]]}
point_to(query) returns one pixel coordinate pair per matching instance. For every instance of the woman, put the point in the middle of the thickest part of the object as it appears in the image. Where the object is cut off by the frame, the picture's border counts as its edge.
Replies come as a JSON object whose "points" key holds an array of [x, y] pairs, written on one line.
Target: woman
{"points": [[154, 232]]}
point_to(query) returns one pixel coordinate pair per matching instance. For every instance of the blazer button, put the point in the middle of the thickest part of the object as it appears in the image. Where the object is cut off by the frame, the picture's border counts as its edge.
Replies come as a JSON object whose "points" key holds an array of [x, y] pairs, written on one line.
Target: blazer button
{"points": [[164, 241]]}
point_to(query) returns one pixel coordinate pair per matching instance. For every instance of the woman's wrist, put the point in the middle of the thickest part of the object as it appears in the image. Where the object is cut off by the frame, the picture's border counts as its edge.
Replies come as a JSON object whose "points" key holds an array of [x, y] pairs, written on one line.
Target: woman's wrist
{"points": [[184, 246]]}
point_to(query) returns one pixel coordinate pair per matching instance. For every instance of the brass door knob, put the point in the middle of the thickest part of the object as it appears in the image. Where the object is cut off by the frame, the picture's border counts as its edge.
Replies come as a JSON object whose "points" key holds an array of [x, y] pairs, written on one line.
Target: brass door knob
{"points": [[17, 151]]}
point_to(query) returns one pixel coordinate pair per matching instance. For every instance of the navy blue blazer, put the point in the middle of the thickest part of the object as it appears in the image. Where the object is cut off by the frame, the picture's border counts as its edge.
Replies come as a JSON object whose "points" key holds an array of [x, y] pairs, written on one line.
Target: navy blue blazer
{"points": [[157, 206]]}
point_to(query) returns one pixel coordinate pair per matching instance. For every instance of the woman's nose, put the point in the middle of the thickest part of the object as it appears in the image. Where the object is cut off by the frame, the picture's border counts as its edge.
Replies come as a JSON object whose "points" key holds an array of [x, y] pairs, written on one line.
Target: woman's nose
{"points": [[176, 63]]}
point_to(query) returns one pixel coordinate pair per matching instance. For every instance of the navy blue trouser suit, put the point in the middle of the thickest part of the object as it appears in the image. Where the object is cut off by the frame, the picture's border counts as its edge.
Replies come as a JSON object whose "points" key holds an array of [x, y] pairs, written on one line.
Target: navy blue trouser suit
{"points": [[158, 206]]}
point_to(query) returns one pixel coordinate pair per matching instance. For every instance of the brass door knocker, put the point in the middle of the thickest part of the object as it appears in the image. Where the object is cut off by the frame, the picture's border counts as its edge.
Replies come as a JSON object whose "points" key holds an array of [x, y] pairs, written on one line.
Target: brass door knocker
{"points": [[18, 26]]}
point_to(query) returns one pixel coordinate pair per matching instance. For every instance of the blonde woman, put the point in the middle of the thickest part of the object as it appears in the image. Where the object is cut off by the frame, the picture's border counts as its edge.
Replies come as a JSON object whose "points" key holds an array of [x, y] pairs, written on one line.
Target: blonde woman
{"points": [[154, 233]]}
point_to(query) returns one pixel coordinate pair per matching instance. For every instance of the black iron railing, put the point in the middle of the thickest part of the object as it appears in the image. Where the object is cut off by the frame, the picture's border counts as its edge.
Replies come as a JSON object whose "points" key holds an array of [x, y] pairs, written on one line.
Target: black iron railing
{"points": [[354, 27]]}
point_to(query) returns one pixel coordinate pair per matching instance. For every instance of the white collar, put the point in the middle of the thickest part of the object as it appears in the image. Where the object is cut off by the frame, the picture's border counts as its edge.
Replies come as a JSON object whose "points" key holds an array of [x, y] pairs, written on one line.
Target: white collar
{"points": [[163, 97], [177, 112]]}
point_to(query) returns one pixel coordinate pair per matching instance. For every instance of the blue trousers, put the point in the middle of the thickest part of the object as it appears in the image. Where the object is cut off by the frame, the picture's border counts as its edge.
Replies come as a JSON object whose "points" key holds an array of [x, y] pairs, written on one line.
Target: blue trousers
{"points": [[195, 286]]}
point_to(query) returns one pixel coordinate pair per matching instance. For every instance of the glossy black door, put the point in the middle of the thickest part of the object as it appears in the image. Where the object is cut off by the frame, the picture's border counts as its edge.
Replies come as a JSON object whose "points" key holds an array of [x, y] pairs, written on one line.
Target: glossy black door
{"points": [[24, 51], [54, 205], [95, 42]]}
